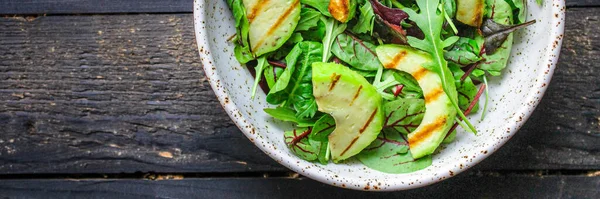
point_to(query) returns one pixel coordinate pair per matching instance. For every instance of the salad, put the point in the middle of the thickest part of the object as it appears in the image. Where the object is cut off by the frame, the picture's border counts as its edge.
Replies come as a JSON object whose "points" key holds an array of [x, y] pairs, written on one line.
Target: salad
{"points": [[385, 82]]}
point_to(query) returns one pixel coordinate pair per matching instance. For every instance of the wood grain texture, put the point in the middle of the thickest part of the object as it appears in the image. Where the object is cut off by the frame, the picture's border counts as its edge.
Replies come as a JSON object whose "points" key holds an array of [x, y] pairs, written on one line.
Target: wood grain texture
{"points": [[126, 93], [462, 186], [94, 6], [137, 6]]}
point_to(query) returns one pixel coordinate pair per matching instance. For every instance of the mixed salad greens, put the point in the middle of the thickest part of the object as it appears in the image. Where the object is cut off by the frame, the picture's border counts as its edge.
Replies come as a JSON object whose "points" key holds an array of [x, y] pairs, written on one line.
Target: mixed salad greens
{"points": [[386, 82]]}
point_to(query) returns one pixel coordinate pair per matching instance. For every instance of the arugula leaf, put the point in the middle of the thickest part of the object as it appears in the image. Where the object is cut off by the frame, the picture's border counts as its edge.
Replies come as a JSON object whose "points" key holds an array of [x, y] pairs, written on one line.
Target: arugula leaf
{"points": [[298, 142], [390, 153], [260, 67], [365, 20], [288, 115], [539, 2], [381, 85], [294, 85], [404, 115], [355, 52], [321, 5], [309, 18], [430, 22], [323, 127], [332, 29]]}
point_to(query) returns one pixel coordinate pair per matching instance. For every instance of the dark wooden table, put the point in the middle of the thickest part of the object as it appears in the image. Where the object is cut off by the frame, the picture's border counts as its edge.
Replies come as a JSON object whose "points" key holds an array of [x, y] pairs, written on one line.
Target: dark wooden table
{"points": [[107, 98]]}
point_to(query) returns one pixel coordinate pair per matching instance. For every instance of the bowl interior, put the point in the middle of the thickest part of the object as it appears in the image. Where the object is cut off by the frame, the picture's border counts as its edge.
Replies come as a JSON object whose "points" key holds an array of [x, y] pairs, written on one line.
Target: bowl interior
{"points": [[513, 96]]}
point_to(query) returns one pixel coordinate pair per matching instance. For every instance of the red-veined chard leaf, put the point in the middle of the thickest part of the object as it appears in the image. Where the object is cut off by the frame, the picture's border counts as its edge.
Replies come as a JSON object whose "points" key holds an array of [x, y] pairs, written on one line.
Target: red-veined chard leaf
{"points": [[298, 142], [387, 23], [500, 12], [496, 34], [355, 52], [404, 114], [389, 153], [465, 87]]}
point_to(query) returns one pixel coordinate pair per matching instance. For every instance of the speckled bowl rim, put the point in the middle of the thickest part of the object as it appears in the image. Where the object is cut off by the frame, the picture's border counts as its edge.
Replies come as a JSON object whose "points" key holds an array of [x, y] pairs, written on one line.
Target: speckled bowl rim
{"points": [[551, 55]]}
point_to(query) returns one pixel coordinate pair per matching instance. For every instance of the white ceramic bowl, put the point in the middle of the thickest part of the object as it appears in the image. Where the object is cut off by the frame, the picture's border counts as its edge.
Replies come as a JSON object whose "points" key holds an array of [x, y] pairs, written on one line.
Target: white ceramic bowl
{"points": [[513, 96]]}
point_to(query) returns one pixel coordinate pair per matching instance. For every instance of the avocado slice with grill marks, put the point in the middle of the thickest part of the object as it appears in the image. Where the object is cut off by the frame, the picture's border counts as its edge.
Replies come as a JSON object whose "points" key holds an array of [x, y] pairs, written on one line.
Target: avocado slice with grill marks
{"points": [[354, 104], [272, 23], [439, 112]]}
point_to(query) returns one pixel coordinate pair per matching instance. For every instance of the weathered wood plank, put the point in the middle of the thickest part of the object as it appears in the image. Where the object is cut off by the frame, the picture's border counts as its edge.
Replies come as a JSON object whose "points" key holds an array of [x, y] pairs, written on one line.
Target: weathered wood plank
{"points": [[94, 6], [139, 6], [126, 93], [462, 186]]}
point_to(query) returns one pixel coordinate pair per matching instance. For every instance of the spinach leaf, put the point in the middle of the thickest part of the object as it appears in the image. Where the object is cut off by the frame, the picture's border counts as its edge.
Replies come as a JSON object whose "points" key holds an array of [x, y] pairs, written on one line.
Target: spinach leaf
{"points": [[519, 8], [323, 127], [465, 51], [288, 115], [316, 33], [309, 18], [321, 5], [242, 26], [355, 52], [295, 38], [271, 74], [294, 85], [298, 142], [430, 22], [404, 115], [365, 20], [332, 29], [390, 153]]}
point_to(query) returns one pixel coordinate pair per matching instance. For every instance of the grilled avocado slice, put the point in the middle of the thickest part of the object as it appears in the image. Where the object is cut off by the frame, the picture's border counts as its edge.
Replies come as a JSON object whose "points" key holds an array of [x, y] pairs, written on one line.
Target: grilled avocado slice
{"points": [[272, 23], [354, 104], [470, 12], [439, 113], [342, 10]]}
